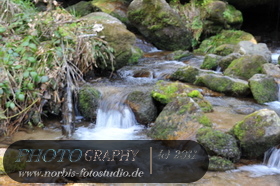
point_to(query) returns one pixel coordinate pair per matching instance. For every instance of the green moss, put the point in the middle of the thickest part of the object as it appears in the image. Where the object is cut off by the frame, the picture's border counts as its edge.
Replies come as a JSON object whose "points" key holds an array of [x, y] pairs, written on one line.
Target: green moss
{"points": [[219, 164], [204, 120], [186, 74], [195, 93], [10, 164], [164, 92], [88, 102], [225, 37]]}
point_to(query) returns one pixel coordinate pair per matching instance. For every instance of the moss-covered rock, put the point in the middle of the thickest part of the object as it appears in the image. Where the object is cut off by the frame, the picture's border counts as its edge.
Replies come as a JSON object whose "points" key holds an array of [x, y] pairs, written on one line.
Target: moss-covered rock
{"points": [[257, 133], [116, 8], [179, 55], [160, 24], [165, 92], [88, 102], [226, 60], [264, 88], [82, 8], [225, 37], [224, 50], [143, 106], [218, 143], [9, 166], [246, 66], [223, 84], [210, 62], [186, 74], [178, 120], [220, 164], [118, 37]]}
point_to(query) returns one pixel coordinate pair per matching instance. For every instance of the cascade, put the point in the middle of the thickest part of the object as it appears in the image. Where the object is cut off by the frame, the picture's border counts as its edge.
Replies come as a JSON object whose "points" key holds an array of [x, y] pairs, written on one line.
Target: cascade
{"points": [[272, 158]]}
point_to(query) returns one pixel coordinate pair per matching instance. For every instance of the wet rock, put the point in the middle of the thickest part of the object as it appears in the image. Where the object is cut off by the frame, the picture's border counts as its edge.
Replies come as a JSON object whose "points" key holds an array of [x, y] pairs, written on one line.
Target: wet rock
{"points": [[220, 164], [180, 55], [233, 37], [223, 84], [88, 102], [264, 88], [244, 110], [144, 72], [160, 24], [246, 66], [180, 119], [210, 62], [218, 143], [142, 106], [250, 48], [186, 74], [226, 60], [271, 70], [257, 133], [118, 37]]}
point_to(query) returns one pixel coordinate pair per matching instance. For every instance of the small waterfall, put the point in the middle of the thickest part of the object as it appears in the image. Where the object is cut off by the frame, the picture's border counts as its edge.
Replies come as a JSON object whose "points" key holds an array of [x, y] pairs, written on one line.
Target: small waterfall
{"points": [[271, 164], [115, 120], [272, 158], [114, 113]]}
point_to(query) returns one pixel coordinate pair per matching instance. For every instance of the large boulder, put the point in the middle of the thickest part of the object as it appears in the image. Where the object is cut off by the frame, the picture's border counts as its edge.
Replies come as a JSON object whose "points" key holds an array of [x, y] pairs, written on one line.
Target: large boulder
{"points": [[220, 15], [249, 48], [180, 119], [218, 143], [160, 24], [82, 8], [264, 88], [258, 132], [116, 8], [118, 37], [142, 105], [88, 102], [223, 84], [225, 37], [246, 66]]}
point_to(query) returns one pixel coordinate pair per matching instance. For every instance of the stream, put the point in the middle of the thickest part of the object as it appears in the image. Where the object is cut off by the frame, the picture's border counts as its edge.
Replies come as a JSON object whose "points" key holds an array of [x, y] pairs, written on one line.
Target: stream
{"points": [[116, 121]]}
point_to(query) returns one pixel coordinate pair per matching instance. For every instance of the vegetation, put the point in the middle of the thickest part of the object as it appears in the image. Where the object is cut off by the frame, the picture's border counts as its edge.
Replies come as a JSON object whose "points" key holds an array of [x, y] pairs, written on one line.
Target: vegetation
{"points": [[40, 54]]}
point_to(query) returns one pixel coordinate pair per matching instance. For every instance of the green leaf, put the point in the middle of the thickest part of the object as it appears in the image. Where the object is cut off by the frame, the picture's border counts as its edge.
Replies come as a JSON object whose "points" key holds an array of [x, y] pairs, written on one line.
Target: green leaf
{"points": [[26, 74], [25, 43], [12, 105], [30, 86], [2, 29], [33, 46], [18, 67], [1, 91], [33, 74], [44, 79], [21, 97], [31, 59]]}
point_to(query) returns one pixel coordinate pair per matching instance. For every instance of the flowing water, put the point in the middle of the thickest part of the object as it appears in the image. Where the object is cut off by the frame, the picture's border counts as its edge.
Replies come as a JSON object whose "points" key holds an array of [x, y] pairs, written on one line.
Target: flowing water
{"points": [[116, 121]]}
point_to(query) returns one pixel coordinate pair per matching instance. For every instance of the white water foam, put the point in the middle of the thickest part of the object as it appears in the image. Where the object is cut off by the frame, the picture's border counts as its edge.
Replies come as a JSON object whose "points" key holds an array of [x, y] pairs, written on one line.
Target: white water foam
{"points": [[271, 165]]}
